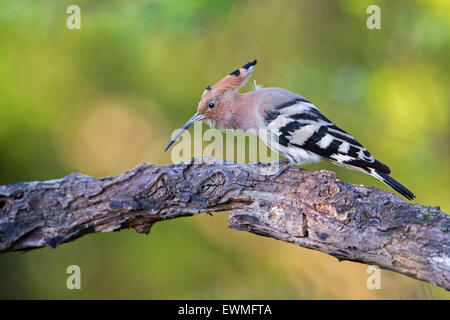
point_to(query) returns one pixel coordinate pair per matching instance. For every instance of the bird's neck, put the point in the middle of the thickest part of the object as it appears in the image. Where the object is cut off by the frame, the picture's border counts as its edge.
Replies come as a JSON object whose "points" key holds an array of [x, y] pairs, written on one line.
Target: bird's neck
{"points": [[242, 113]]}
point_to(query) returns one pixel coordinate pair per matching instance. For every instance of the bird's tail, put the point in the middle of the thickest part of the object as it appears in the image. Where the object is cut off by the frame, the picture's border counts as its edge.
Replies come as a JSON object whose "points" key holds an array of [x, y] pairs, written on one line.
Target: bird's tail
{"points": [[391, 182]]}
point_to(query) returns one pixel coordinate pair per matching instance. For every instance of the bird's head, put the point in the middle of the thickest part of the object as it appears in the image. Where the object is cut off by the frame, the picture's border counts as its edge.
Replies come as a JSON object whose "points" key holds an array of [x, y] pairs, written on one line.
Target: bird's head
{"points": [[215, 101]]}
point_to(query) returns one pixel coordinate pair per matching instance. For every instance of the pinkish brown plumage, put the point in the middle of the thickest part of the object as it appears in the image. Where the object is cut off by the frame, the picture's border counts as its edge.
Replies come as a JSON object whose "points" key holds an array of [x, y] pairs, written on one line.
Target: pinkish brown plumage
{"points": [[288, 123], [222, 105]]}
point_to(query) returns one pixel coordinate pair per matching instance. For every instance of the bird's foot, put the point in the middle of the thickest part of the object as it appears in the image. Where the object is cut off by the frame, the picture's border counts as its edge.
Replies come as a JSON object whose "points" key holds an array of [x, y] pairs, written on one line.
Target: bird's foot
{"points": [[282, 169], [273, 163], [283, 161], [287, 166]]}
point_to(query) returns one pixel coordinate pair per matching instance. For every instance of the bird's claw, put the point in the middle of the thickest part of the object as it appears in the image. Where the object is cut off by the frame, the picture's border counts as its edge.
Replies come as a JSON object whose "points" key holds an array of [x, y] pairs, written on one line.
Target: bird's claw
{"points": [[281, 170], [284, 168]]}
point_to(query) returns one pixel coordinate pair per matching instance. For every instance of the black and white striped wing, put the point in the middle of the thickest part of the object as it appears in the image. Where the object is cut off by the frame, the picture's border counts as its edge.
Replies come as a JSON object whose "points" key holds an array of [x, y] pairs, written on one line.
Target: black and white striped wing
{"points": [[304, 134], [299, 125]]}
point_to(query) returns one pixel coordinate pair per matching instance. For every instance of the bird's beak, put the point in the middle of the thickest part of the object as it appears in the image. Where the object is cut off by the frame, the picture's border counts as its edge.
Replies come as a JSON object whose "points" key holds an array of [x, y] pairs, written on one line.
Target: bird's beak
{"points": [[187, 125]]}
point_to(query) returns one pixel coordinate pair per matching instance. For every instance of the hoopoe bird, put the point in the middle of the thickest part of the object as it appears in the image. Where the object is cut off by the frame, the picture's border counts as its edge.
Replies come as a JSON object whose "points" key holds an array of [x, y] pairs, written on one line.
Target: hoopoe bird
{"points": [[288, 123]]}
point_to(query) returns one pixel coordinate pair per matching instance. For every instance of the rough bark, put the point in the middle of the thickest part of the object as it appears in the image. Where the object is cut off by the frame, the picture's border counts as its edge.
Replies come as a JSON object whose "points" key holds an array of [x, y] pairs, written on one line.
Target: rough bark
{"points": [[310, 209]]}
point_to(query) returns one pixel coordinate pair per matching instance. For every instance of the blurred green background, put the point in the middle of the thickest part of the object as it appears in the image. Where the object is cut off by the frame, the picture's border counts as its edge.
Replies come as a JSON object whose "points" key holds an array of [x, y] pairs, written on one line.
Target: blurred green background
{"points": [[102, 99]]}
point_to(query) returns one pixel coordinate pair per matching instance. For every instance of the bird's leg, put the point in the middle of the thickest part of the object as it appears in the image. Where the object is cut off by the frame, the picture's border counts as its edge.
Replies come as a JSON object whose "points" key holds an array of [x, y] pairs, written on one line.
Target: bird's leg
{"points": [[273, 163], [287, 165], [283, 161]]}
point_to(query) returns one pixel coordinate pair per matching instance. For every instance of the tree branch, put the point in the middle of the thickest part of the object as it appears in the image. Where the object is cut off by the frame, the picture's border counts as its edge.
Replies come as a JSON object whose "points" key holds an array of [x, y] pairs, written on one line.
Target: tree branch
{"points": [[310, 209]]}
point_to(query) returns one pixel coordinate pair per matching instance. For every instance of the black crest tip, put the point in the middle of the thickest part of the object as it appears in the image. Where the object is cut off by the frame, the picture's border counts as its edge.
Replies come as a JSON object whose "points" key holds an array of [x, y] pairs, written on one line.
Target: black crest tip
{"points": [[250, 64], [235, 73], [208, 88]]}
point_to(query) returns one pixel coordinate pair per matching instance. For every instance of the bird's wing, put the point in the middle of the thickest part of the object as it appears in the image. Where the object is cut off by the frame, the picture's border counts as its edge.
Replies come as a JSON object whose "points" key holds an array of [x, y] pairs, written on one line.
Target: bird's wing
{"points": [[299, 124]]}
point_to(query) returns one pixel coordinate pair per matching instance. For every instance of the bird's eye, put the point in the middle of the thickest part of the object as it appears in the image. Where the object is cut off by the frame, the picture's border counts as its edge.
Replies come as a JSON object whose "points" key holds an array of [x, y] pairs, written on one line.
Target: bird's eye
{"points": [[212, 104]]}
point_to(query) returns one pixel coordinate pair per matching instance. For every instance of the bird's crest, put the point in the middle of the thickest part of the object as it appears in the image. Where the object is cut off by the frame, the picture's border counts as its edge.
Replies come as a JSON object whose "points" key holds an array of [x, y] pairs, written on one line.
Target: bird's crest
{"points": [[235, 79]]}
